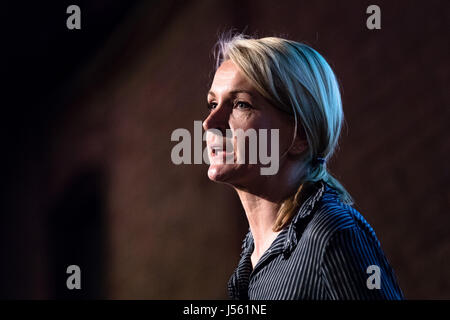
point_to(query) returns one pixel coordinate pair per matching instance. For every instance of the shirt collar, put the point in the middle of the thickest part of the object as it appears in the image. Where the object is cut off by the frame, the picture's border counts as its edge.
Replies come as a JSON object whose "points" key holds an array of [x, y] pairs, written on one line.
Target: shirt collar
{"points": [[304, 211]]}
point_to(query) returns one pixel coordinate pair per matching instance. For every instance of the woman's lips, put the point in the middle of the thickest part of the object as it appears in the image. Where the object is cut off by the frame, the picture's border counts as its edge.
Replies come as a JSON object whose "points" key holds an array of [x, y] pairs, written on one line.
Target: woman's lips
{"points": [[219, 152]]}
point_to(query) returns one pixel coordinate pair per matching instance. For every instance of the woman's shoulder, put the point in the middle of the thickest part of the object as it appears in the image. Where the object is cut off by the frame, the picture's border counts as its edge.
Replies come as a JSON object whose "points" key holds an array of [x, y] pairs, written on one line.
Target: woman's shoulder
{"points": [[331, 216]]}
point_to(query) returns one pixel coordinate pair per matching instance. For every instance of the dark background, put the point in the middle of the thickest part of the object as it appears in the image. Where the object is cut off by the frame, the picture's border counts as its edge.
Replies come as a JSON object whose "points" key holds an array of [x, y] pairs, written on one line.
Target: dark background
{"points": [[87, 117]]}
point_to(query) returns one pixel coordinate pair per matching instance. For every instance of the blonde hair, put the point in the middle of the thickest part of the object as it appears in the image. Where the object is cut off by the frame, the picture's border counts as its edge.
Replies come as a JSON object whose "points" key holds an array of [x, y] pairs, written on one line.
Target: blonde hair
{"points": [[296, 79]]}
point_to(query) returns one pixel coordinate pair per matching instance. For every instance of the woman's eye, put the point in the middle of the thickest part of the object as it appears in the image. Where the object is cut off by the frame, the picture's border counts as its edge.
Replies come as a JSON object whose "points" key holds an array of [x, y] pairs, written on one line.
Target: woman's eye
{"points": [[242, 105], [211, 105]]}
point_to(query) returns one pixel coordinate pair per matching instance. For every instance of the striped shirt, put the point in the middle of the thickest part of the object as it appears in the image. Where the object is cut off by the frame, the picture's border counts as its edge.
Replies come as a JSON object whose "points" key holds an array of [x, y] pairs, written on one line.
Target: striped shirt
{"points": [[325, 253]]}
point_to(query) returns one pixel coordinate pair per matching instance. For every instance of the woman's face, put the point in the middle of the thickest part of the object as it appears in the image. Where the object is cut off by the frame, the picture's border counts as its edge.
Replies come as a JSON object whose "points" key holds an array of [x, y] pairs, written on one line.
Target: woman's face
{"points": [[235, 104]]}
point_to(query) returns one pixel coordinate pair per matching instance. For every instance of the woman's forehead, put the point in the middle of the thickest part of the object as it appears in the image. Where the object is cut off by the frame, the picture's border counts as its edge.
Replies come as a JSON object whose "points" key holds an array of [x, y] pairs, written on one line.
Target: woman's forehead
{"points": [[229, 78]]}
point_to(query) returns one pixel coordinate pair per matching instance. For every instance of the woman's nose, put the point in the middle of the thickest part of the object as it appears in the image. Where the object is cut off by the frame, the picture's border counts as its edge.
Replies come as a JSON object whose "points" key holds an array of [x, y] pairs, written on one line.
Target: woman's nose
{"points": [[217, 119]]}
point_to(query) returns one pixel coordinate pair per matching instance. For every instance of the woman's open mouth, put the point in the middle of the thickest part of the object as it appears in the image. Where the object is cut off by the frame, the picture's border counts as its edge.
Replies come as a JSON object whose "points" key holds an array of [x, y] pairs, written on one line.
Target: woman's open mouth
{"points": [[219, 152]]}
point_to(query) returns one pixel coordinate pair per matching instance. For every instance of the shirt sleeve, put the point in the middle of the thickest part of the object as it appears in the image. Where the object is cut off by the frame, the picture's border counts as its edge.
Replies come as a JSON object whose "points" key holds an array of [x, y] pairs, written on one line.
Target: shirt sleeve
{"points": [[354, 267]]}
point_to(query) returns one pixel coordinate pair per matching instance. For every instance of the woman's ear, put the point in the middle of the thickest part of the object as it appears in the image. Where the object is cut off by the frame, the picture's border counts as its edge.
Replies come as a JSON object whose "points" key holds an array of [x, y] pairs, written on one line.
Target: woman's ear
{"points": [[300, 144]]}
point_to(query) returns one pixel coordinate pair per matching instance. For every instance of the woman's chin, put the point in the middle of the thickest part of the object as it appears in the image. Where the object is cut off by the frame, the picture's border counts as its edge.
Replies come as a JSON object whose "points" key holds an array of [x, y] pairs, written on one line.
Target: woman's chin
{"points": [[232, 174], [219, 173]]}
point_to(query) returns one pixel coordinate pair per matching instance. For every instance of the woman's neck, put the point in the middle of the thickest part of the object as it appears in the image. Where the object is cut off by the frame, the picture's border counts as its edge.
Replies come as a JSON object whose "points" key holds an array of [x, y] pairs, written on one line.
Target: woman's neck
{"points": [[262, 201], [261, 215]]}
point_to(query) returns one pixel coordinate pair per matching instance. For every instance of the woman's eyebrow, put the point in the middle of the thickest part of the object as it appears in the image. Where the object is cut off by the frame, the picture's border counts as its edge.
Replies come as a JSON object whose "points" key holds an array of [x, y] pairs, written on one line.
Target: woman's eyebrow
{"points": [[234, 92]]}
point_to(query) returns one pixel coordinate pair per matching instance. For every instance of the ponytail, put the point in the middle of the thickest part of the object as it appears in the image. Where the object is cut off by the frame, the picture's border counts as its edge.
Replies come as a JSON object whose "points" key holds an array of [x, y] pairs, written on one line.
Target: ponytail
{"points": [[289, 206]]}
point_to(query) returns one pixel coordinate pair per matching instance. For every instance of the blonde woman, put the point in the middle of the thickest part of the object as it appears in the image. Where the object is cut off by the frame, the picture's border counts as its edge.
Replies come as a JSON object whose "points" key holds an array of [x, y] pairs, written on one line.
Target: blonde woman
{"points": [[305, 240]]}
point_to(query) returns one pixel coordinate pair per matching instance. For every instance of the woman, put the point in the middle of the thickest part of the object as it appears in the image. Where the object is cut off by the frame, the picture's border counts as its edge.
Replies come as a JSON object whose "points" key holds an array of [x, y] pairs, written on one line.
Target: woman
{"points": [[305, 240]]}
